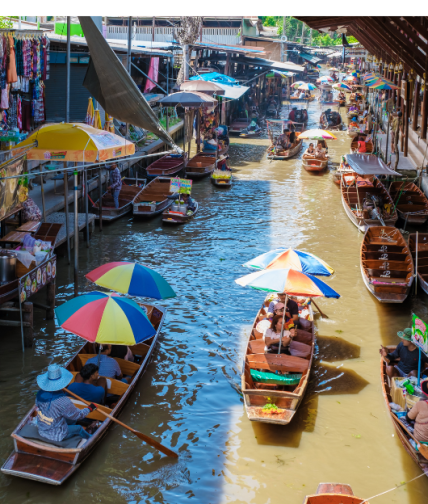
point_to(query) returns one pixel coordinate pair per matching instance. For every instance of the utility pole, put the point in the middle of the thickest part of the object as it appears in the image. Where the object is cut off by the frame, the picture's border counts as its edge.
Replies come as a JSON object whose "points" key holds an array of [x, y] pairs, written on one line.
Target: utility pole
{"points": [[284, 29]]}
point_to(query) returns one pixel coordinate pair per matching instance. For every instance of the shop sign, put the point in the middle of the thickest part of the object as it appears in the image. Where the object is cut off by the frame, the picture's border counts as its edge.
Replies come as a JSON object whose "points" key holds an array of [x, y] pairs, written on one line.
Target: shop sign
{"points": [[37, 278], [55, 155], [180, 185], [419, 333]]}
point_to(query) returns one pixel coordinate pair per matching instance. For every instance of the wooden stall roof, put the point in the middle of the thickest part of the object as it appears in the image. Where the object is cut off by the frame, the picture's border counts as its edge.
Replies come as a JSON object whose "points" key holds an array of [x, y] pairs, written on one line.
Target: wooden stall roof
{"points": [[395, 39]]}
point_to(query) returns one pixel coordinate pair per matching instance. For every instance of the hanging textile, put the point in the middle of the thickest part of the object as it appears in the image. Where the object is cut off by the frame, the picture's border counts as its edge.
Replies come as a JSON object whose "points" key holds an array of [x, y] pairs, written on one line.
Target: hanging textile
{"points": [[11, 75], [153, 74]]}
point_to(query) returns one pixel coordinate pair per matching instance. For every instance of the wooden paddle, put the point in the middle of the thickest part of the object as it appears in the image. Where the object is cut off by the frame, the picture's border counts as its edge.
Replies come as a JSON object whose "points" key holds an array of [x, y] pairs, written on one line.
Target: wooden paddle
{"points": [[323, 315], [143, 437]]}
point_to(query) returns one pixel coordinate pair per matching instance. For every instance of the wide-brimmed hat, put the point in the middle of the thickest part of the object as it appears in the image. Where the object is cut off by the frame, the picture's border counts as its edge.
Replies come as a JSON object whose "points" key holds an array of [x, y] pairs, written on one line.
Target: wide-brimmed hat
{"points": [[406, 334], [56, 378]]}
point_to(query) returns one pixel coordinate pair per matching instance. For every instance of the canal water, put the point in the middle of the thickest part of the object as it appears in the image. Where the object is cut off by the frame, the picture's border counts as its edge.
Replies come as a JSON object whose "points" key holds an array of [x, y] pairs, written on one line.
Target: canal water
{"points": [[190, 398]]}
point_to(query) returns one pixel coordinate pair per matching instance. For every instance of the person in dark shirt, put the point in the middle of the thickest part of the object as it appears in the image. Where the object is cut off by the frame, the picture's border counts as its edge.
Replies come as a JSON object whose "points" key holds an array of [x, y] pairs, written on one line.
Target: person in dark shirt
{"points": [[90, 385], [403, 361]]}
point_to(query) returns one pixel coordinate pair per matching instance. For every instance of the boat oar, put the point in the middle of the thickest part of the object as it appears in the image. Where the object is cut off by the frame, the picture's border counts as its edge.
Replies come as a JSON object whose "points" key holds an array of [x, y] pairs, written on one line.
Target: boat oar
{"points": [[323, 315], [140, 435]]}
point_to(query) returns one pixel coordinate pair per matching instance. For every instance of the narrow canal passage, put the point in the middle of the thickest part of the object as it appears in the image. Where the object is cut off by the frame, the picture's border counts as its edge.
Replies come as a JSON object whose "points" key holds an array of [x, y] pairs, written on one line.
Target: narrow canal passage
{"points": [[190, 395]]}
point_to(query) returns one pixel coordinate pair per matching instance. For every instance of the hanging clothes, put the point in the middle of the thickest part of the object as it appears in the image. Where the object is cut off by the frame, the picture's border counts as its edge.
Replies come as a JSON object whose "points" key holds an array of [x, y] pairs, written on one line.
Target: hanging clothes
{"points": [[4, 101], [26, 56], [18, 55], [26, 115], [19, 113], [47, 59], [11, 75]]}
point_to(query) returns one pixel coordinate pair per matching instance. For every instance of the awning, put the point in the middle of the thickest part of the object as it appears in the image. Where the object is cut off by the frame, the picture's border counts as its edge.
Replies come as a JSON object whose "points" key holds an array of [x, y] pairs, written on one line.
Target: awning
{"points": [[233, 92], [292, 67], [229, 48], [310, 57], [368, 164], [284, 74], [110, 84], [216, 77]]}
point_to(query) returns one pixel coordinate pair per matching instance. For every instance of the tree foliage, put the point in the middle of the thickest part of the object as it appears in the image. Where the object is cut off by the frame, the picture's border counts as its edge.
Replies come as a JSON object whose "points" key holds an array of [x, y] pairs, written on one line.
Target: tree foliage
{"points": [[295, 30], [5, 23]]}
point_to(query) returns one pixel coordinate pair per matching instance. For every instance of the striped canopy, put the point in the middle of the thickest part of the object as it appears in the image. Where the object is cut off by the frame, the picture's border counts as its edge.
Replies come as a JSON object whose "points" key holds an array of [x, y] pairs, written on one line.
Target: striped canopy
{"points": [[297, 84], [133, 279], [317, 134], [289, 281], [105, 318], [307, 86], [342, 85], [350, 78], [326, 78]]}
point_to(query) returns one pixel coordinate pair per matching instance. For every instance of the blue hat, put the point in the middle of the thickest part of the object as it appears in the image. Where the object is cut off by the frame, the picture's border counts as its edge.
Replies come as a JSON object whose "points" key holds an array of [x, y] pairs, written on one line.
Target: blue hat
{"points": [[55, 379]]}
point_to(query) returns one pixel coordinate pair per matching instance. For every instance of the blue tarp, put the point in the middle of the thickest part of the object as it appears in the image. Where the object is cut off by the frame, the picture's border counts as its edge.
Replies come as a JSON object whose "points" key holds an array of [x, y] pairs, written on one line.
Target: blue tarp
{"points": [[216, 77]]}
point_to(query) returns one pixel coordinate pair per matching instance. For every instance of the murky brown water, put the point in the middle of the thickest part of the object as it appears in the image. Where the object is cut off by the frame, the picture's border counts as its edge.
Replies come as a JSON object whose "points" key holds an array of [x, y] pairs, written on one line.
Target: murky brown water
{"points": [[190, 395]]}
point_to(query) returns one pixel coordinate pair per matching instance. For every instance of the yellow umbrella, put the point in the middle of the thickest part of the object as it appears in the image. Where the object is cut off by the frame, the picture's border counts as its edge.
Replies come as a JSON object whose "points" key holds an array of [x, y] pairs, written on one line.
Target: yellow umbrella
{"points": [[108, 124], [76, 142], [90, 113], [97, 120]]}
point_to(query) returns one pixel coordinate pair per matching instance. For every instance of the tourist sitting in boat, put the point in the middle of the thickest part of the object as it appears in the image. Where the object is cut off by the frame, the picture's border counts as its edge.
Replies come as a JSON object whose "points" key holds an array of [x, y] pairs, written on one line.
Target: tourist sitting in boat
{"points": [[90, 386], [272, 336], [296, 93], [122, 352], [291, 313], [56, 413], [302, 95], [419, 414], [108, 367], [342, 96], [190, 202], [403, 361], [319, 151], [310, 149], [283, 140], [115, 183]]}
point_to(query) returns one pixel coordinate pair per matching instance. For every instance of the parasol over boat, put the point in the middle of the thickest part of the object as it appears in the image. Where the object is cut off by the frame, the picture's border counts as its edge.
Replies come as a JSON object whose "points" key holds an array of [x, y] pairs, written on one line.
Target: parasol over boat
{"points": [[317, 134]]}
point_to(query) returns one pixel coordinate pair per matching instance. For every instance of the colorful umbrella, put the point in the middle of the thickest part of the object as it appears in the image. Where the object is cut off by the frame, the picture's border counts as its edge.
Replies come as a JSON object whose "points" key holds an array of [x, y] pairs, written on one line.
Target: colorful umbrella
{"points": [[89, 119], [342, 85], [350, 78], [319, 66], [317, 134], [326, 78], [131, 278], [290, 258], [293, 283], [333, 69], [297, 84], [383, 85], [105, 318], [97, 120], [370, 75], [307, 86]]}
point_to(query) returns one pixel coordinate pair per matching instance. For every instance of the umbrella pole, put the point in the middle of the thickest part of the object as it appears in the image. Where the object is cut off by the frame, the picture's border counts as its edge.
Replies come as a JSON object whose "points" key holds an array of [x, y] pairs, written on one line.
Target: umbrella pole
{"points": [[67, 229], [85, 174], [76, 236], [416, 265], [283, 321], [100, 198]]}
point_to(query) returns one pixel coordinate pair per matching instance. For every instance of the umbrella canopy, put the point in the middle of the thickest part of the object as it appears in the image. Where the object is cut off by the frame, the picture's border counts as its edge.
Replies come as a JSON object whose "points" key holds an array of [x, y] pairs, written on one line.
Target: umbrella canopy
{"points": [[133, 279], [289, 281], [215, 77], [307, 86], [76, 142], [297, 84], [290, 258], [333, 69], [350, 78], [317, 134], [188, 99], [382, 84], [97, 120], [326, 78], [202, 86], [370, 75], [342, 85], [89, 119], [105, 318]]}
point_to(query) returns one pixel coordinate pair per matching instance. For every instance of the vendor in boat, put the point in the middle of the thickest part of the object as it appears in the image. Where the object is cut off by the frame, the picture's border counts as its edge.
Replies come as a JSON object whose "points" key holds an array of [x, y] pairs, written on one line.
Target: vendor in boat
{"points": [[108, 367], [283, 140], [342, 96], [222, 163], [419, 414], [115, 183], [90, 385], [56, 414], [190, 202], [272, 336], [354, 122], [302, 95], [403, 361]]}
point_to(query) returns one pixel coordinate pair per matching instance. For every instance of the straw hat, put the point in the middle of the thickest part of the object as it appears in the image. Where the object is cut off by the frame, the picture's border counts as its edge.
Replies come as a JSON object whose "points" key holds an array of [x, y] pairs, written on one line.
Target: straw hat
{"points": [[55, 379]]}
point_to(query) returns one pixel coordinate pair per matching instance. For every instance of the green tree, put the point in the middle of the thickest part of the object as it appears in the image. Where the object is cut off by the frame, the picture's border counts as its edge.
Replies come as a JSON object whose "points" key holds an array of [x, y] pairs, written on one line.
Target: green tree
{"points": [[5, 23]]}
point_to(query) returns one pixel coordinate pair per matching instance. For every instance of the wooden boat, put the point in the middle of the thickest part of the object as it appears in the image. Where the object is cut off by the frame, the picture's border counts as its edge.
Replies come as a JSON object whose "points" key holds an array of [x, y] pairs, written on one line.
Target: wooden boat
{"points": [[410, 201], [167, 166], [313, 164], [220, 181], [333, 493], [386, 264], [47, 463], [200, 165], [276, 153], [171, 216], [286, 398], [309, 99], [402, 428], [331, 120], [127, 195], [298, 115], [238, 125], [352, 131], [357, 201], [422, 266], [369, 144], [154, 198], [342, 170]]}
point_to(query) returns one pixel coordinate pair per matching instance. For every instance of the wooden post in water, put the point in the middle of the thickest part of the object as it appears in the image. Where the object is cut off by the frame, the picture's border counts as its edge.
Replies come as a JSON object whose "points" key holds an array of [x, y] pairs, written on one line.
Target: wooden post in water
{"points": [[67, 229], [416, 265], [27, 316], [406, 119], [50, 300], [424, 110], [416, 105], [76, 234]]}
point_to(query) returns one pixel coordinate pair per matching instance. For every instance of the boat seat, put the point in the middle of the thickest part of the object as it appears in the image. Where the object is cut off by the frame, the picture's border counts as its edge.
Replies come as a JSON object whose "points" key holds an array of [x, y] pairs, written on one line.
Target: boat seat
{"points": [[94, 415], [117, 387], [392, 279], [128, 368], [388, 256], [378, 248], [280, 362], [391, 265], [421, 208]]}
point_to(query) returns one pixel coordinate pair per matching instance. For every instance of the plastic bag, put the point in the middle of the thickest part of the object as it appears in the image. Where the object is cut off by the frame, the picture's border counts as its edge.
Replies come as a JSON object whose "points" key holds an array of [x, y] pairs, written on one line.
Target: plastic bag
{"points": [[25, 257]]}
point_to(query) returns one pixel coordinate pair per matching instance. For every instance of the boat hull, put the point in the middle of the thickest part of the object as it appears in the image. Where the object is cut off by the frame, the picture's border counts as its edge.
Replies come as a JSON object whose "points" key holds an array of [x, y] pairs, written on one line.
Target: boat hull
{"points": [[292, 152], [200, 166], [223, 183], [175, 218]]}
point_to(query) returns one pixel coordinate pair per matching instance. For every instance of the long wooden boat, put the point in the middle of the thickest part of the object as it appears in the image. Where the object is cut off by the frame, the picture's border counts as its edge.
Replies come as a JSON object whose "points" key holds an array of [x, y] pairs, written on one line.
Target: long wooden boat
{"points": [[386, 264], [219, 181], [333, 493], [314, 164], [410, 201], [422, 266], [238, 125], [402, 428], [331, 120], [298, 115], [284, 154], [176, 217], [356, 198], [201, 165], [127, 195], [295, 98], [167, 166], [286, 398], [352, 131], [154, 198], [42, 461]]}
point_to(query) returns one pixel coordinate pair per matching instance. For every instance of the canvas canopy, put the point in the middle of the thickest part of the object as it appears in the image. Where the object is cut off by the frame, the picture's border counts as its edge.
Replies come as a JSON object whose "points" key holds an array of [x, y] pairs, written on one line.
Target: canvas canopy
{"points": [[110, 84], [368, 164]]}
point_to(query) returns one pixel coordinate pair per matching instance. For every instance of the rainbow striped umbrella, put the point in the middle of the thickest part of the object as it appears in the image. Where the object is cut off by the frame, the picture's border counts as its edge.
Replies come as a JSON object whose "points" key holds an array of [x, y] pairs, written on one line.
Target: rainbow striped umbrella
{"points": [[289, 281], [350, 78], [307, 86], [105, 318], [342, 85], [317, 134], [291, 258], [131, 278], [370, 75], [297, 84], [382, 84], [326, 78]]}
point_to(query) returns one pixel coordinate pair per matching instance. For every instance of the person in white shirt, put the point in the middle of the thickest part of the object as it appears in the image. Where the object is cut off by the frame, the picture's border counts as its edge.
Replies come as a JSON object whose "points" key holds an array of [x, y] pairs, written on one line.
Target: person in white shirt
{"points": [[272, 336]]}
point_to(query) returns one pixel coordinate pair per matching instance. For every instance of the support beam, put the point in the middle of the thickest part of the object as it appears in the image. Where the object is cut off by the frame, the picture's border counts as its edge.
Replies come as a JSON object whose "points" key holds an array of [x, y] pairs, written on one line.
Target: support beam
{"points": [[416, 105]]}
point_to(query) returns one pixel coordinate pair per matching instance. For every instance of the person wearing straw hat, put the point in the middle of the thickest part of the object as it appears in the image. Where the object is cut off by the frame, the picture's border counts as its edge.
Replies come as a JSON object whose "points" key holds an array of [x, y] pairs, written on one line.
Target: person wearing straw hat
{"points": [[403, 361], [56, 413], [419, 414]]}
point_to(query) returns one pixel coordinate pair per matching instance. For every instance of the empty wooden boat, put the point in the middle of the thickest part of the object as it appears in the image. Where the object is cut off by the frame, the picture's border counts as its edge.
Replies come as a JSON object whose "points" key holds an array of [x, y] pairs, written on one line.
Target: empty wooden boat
{"points": [[178, 215], [333, 493], [364, 199], [127, 195], [167, 166], [403, 429], [422, 262], [50, 463], [410, 201], [313, 164], [386, 264], [200, 165], [154, 198], [278, 153], [275, 402]]}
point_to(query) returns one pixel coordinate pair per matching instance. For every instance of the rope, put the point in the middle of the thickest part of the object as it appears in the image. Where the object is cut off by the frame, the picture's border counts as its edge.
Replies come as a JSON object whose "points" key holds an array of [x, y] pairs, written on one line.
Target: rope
{"points": [[391, 489]]}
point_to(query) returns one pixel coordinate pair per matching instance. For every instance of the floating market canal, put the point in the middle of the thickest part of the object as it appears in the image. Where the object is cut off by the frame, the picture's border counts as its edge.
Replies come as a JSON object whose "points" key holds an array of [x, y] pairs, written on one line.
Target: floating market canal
{"points": [[190, 398]]}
